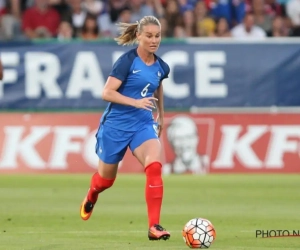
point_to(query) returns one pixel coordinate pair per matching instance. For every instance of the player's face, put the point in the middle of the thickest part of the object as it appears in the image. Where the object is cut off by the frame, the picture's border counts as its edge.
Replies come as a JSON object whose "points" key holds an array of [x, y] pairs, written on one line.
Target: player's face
{"points": [[150, 37]]}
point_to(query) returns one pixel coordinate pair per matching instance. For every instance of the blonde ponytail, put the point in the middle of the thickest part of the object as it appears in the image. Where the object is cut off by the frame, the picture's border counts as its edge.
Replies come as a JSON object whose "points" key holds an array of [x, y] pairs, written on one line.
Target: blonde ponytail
{"points": [[128, 31]]}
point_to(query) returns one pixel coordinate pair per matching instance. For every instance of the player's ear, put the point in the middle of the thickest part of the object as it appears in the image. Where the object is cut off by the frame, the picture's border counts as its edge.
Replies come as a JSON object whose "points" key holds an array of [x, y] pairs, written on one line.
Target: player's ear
{"points": [[138, 36]]}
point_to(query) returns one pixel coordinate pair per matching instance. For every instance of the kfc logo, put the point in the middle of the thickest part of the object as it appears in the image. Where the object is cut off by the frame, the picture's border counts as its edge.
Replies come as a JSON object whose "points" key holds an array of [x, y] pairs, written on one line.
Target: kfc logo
{"points": [[191, 143], [47, 147], [187, 145], [259, 147]]}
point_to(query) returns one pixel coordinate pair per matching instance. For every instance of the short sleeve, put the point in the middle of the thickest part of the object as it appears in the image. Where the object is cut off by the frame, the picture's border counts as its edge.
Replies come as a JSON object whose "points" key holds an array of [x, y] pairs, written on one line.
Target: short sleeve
{"points": [[166, 69], [122, 66]]}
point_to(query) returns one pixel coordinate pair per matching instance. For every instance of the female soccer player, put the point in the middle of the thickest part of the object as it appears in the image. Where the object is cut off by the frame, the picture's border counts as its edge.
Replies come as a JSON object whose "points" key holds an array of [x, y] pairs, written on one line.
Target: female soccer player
{"points": [[134, 83]]}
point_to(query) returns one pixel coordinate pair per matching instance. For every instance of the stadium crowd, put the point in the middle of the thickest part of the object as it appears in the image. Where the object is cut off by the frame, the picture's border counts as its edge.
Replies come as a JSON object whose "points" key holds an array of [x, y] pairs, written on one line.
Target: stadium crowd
{"points": [[94, 19]]}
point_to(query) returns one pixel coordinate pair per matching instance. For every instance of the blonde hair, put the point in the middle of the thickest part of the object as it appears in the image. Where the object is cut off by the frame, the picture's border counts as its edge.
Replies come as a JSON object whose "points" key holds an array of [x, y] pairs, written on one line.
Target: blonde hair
{"points": [[128, 31]]}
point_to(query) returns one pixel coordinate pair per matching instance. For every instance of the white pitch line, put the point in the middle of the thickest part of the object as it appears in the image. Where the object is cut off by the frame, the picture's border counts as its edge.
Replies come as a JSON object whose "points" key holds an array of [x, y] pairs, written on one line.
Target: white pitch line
{"points": [[89, 232], [103, 232]]}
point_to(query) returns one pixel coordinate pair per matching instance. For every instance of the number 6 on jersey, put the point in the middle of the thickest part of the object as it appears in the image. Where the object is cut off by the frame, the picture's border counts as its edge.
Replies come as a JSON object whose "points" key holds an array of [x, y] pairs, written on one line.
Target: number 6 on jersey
{"points": [[145, 90]]}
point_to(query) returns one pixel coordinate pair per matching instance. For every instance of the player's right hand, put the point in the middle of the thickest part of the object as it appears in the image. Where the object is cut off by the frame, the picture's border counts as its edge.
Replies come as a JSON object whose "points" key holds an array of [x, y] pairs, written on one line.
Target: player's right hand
{"points": [[146, 103]]}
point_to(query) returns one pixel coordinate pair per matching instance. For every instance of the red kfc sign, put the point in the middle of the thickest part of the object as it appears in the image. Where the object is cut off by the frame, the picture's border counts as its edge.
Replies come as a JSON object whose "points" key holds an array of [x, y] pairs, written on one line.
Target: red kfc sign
{"points": [[193, 143], [47, 142], [256, 143], [236, 143]]}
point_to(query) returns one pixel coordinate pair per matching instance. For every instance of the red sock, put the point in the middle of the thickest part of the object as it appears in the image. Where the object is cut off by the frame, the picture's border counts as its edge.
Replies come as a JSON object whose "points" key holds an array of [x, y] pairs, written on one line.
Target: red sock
{"points": [[154, 192], [98, 185]]}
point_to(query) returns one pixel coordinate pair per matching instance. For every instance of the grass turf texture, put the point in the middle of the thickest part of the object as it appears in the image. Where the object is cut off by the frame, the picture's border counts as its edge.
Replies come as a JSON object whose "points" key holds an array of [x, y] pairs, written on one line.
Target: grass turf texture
{"points": [[41, 212]]}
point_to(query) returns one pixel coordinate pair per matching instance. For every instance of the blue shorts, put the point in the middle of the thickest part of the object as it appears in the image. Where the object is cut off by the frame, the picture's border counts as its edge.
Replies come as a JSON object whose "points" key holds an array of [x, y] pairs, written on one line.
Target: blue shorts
{"points": [[112, 143]]}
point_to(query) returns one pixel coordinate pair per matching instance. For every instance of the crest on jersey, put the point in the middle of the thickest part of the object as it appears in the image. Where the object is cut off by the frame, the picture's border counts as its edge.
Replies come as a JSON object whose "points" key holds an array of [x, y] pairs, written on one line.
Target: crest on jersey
{"points": [[159, 74]]}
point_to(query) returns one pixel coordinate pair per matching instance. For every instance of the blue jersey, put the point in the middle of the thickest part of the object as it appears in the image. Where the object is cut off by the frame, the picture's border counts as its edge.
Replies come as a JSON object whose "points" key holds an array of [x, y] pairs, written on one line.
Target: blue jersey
{"points": [[138, 81]]}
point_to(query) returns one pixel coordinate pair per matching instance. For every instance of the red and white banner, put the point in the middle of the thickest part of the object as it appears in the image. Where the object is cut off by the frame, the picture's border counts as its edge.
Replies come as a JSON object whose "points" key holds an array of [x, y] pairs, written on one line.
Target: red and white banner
{"points": [[193, 143]]}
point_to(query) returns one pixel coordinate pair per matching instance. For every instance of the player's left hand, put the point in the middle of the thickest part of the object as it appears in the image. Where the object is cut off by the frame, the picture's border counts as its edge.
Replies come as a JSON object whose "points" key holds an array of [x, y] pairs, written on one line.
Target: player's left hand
{"points": [[160, 125]]}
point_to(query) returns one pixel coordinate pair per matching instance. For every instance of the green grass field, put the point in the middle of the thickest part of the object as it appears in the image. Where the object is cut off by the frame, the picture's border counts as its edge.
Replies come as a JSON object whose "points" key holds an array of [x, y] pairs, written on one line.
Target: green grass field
{"points": [[41, 212]]}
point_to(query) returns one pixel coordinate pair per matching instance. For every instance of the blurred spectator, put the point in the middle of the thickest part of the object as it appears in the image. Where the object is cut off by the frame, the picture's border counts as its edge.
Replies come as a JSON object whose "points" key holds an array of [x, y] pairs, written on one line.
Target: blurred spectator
{"points": [[40, 21], [124, 17], [179, 31], [139, 9], [120, 11], [105, 23], [62, 7], [94, 7], [238, 12], [179, 18], [261, 18], [288, 26], [222, 29], [115, 7], [273, 8], [172, 15], [90, 29], [65, 31], [185, 5], [205, 25], [164, 27], [189, 23], [157, 7], [11, 12], [277, 29], [2, 4], [232, 10], [164, 2], [10, 18], [293, 11], [185, 25], [282, 4], [77, 15], [248, 30]]}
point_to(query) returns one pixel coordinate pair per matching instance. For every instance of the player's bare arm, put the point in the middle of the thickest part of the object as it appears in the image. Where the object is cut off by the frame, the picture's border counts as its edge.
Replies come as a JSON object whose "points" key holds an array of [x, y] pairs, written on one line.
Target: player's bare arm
{"points": [[1, 70], [110, 94], [159, 94]]}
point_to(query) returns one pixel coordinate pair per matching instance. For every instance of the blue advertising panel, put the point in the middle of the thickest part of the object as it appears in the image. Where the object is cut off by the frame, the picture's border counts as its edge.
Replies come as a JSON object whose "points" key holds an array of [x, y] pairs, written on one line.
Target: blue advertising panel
{"points": [[72, 75]]}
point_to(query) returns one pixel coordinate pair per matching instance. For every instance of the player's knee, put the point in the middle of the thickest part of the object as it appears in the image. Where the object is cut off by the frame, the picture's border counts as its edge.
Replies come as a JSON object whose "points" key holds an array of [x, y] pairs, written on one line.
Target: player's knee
{"points": [[153, 169], [104, 183], [108, 183]]}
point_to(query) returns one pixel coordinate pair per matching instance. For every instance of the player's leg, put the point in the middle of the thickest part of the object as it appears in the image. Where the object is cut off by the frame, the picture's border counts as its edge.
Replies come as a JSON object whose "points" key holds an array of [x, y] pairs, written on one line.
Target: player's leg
{"points": [[147, 149], [110, 151], [103, 179]]}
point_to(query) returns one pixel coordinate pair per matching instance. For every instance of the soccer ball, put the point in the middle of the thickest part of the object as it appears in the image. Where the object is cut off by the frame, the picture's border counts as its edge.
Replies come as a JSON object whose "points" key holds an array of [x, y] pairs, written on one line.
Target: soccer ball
{"points": [[199, 233]]}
